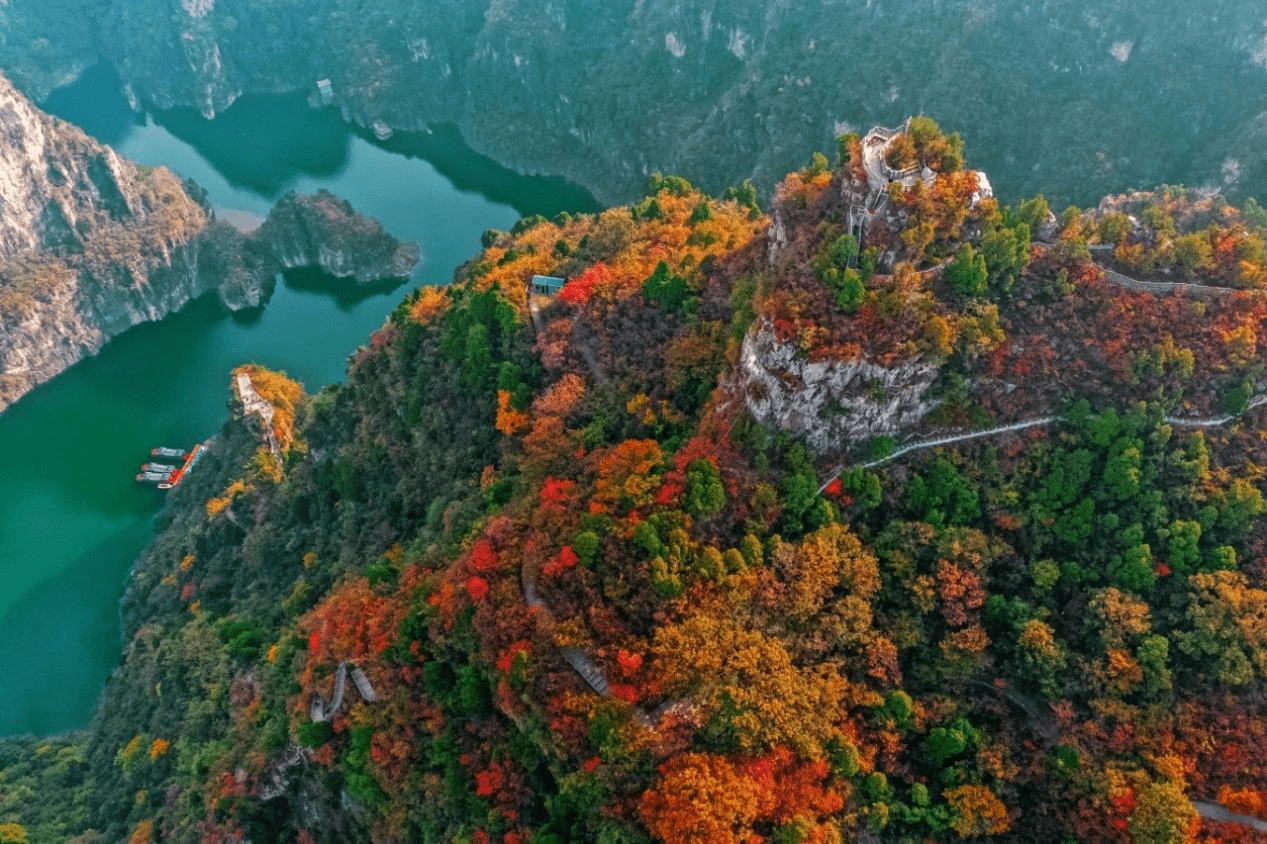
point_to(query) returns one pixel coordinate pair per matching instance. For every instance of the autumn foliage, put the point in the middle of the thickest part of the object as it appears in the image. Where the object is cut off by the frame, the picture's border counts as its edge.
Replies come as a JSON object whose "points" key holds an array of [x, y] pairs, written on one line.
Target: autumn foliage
{"points": [[284, 394], [605, 586], [705, 798]]}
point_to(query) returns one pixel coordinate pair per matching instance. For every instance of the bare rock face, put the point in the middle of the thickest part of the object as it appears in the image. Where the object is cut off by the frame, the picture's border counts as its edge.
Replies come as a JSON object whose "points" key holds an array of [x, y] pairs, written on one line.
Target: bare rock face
{"points": [[606, 92], [323, 231], [92, 244], [834, 402], [61, 192]]}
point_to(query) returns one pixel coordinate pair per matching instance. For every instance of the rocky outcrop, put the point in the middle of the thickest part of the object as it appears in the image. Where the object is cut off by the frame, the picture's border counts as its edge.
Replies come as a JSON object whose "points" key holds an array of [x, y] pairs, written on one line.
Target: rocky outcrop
{"points": [[253, 404], [92, 244], [323, 231], [868, 200], [64, 194], [830, 403]]}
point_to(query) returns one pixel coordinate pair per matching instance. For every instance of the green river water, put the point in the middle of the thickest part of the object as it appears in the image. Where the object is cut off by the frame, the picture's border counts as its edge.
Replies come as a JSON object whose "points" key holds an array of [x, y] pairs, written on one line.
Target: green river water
{"points": [[71, 517]]}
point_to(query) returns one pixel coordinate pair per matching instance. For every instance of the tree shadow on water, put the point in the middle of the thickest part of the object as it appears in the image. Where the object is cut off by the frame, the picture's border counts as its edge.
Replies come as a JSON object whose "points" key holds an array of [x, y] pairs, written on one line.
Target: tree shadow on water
{"points": [[264, 141], [345, 292]]}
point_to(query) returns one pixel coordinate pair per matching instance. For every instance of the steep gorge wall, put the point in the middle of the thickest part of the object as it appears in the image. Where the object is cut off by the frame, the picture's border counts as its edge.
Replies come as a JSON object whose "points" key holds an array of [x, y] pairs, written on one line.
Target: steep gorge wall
{"points": [[1057, 96], [92, 244]]}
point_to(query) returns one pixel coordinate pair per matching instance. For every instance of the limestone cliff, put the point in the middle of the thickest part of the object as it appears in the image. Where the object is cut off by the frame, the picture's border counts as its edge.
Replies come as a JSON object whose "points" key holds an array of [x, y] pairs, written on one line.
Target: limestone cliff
{"points": [[323, 231], [1054, 96], [830, 403], [92, 244]]}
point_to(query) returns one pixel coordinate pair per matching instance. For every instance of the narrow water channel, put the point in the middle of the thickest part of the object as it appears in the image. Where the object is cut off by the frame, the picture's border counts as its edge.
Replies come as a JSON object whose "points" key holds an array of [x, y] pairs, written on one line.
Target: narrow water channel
{"points": [[71, 517]]}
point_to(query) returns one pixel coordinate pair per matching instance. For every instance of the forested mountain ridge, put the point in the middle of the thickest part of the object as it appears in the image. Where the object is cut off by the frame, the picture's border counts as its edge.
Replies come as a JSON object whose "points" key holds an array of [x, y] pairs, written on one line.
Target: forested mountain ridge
{"points": [[538, 571], [1055, 96]]}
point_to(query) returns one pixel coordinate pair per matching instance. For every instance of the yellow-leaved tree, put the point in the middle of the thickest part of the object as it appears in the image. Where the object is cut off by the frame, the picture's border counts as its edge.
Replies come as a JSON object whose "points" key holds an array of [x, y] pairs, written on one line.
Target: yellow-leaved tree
{"points": [[12, 833], [977, 811]]}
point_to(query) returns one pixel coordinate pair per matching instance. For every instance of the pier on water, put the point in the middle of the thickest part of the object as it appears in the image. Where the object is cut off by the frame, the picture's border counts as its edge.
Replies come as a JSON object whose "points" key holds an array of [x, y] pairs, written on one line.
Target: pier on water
{"points": [[169, 475]]}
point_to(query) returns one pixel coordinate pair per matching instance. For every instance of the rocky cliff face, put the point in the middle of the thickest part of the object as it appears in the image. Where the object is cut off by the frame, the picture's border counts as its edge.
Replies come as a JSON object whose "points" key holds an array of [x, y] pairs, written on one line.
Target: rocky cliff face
{"points": [[323, 231], [92, 244], [830, 403], [1059, 97]]}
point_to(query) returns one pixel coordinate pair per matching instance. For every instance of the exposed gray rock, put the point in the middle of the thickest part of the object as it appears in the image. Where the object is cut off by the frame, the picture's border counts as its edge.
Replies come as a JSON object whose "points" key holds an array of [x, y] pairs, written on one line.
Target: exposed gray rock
{"points": [[833, 402], [323, 231], [605, 92], [58, 187], [92, 244], [253, 404]]}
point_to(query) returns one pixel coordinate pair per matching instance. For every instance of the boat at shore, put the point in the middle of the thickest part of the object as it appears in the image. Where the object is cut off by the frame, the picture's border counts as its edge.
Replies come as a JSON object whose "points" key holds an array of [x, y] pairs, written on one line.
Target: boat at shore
{"points": [[166, 475], [177, 476]]}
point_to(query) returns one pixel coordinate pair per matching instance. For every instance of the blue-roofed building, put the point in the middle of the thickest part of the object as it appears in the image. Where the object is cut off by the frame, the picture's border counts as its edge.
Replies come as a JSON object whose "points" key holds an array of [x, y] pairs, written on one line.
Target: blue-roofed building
{"points": [[547, 285]]}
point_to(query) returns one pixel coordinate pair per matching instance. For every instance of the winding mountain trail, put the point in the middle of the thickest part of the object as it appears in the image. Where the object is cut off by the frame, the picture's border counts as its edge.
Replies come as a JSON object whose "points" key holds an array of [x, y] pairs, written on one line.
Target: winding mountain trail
{"points": [[1158, 287], [933, 443], [590, 671], [1211, 422], [1215, 812]]}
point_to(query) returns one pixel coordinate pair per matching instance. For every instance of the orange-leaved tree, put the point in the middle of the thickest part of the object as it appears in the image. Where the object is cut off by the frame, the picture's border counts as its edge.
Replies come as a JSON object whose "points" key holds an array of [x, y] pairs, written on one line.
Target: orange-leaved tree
{"points": [[704, 799]]}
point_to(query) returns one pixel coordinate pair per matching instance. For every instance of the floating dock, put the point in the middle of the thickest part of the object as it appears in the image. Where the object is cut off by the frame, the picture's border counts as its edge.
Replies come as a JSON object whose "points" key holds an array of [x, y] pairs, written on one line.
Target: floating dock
{"points": [[179, 475], [167, 476]]}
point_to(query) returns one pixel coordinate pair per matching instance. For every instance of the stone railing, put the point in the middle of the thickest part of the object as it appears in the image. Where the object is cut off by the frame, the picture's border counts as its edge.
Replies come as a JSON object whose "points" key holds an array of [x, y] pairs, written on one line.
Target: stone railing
{"points": [[950, 439]]}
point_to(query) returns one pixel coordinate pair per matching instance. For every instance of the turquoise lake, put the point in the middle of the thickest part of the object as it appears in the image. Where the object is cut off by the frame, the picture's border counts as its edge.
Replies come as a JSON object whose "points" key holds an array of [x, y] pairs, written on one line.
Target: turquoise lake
{"points": [[72, 519]]}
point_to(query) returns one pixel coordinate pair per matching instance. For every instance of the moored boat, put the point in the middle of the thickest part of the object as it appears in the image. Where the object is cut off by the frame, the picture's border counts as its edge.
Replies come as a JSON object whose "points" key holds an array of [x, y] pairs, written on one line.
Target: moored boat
{"points": [[174, 479], [153, 477]]}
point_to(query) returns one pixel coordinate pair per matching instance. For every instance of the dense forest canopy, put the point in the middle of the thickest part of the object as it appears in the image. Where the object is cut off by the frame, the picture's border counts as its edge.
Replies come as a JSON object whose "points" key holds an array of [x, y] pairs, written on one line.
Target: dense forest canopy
{"points": [[1073, 98], [558, 569]]}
